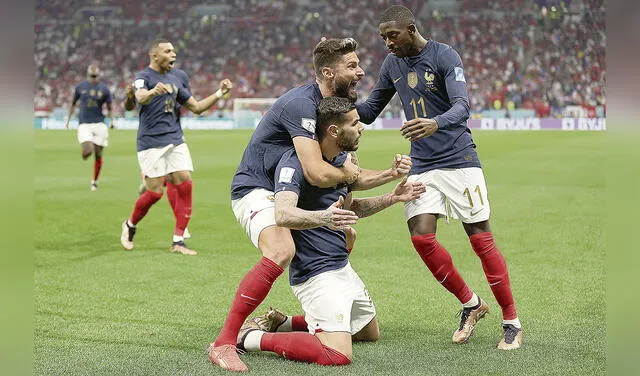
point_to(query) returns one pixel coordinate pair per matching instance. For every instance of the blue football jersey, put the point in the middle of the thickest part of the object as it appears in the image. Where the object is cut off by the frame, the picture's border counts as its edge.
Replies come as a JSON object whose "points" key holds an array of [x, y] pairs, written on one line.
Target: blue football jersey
{"points": [[430, 85], [292, 115], [91, 97], [318, 249]]}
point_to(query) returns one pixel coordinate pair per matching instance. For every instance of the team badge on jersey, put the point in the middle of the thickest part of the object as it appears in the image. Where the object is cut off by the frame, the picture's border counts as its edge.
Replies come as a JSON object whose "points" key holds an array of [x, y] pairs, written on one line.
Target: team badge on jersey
{"points": [[412, 79], [429, 77]]}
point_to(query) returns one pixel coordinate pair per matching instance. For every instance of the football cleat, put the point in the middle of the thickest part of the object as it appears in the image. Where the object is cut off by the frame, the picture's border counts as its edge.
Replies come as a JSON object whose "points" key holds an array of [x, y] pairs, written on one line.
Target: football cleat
{"points": [[248, 326], [468, 319], [511, 339], [126, 237], [270, 321], [180, 247], [94, 186], [226, 357]]}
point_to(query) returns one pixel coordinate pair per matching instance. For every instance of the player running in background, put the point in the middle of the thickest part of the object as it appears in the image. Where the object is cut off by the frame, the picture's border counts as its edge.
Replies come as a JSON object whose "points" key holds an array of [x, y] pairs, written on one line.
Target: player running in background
{"points": [[289, 123], [429, 78], [93, 134], [336, 303], [172, 193], [162, 152]]}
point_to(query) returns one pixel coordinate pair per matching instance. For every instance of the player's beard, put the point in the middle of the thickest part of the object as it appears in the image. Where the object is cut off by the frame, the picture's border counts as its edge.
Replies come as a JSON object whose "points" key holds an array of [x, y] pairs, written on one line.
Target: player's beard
{"points": [[343, 89], [348, 144]]}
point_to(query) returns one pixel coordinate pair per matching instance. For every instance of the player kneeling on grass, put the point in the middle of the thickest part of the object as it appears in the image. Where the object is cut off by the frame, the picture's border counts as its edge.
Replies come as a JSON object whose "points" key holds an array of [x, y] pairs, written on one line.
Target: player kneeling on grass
{"points": [[337, 306]]}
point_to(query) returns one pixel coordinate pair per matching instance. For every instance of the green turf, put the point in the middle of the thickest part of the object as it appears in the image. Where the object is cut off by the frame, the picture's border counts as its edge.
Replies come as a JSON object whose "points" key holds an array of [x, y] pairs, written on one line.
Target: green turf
{"points": [[102, 311]]}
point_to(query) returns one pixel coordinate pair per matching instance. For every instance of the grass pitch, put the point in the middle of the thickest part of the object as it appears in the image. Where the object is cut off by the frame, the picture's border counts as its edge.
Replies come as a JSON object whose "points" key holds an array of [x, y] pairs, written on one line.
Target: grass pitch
{"points": [[102, 311]]}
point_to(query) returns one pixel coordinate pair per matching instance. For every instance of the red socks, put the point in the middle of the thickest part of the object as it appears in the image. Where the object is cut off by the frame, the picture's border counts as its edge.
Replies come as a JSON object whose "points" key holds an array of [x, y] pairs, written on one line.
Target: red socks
{"points": [[495, 269], [439, 261], [143, 203], [182, 194], [172, 196], [253, 288], [97, 166], [303, 347]]}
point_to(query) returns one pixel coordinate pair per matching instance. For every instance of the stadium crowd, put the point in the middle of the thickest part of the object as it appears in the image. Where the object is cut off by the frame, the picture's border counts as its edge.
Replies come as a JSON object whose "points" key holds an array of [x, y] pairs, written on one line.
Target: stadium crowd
{"points": [[526, 54]]}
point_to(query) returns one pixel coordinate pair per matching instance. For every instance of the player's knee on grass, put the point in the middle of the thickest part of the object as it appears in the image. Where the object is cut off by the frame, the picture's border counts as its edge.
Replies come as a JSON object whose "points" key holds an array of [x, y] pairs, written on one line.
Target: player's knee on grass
{"points": [[337, 342], [370, 333], [276, 244]]}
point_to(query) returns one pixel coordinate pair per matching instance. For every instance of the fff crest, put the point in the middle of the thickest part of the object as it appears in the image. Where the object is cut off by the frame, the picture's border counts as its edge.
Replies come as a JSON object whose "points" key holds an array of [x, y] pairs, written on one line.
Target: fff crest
{"points": [[428, 76], [412, 79]]}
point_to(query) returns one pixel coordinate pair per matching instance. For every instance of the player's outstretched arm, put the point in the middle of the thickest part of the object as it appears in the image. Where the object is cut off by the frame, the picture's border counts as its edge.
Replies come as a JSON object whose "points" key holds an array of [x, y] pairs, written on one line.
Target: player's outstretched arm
{"points": [[369, 179], [110, 109], [317, 171], [403, 192], [198, 107], [290, 216]]}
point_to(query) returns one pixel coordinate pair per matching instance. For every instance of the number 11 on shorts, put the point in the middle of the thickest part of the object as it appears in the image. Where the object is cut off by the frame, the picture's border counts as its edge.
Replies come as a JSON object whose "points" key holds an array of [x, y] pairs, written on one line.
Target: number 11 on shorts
{"points": [[468, 194]]}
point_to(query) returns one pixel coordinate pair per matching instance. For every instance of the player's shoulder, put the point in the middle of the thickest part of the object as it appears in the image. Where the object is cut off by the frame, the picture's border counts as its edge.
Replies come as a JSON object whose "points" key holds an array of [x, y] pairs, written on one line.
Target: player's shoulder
{"points": [[301, 98], [82, 84], [179, 73]]}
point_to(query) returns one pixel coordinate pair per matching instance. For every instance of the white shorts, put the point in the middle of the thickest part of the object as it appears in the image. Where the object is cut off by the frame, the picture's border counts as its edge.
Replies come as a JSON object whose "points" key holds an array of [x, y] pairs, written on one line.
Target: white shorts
{"points": [[452, 193], [255, 212], [93, 132], [335, 301], [158, 162]]}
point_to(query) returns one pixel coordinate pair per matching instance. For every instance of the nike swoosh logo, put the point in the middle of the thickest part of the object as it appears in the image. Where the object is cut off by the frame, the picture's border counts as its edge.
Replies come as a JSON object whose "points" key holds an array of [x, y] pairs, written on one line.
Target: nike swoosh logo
{"points": [[495, 283], [248, 297], [396, 80], [445, 277], [472, 213]]}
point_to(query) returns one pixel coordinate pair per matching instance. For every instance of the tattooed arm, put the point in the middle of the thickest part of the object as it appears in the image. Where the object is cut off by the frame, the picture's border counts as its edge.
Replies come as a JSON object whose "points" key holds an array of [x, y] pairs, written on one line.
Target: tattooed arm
{"points": [[290, 216], [403, 192], [373, 178]]}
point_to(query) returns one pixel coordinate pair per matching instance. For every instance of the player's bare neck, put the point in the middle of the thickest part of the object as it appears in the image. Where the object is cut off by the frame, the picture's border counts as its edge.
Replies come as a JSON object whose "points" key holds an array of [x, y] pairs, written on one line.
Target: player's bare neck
{"points": [[418, 44], [329, 148], [325, 89]]}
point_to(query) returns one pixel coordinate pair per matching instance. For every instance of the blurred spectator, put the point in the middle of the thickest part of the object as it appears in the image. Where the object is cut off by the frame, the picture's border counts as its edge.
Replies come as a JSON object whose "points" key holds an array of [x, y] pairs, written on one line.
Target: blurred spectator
{"points": [[516, 52]]}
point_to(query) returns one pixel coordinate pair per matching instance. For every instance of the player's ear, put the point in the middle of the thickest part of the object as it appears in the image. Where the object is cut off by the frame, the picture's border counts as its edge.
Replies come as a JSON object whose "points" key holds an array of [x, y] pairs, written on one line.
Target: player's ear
{"points": [[333, 130], [327, 72], [412, 29]]}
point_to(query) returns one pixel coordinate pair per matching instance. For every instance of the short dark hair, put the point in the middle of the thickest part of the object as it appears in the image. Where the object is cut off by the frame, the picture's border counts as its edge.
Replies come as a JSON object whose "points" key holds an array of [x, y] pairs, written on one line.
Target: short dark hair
{"points": [[331, 110], [399, 14], [156, 43], [329, 51]]}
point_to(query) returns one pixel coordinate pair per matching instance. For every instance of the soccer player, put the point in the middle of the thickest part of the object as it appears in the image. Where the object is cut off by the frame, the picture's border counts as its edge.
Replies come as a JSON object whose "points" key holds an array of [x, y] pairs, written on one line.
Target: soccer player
{"points": [[172, 193], [162, 152], [289, 123], [336, 303], [93, 134], [429, 78]]}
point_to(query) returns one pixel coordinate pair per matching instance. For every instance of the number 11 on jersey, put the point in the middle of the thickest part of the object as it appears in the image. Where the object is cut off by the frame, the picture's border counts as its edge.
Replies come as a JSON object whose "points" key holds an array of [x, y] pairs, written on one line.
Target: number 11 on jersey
{"points": [[415, 107]]}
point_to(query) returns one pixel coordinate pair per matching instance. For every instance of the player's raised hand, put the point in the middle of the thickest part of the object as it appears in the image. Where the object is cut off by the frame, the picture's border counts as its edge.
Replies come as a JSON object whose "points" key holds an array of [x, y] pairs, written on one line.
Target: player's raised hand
{"points": [[418, 128], [337, 218], [401, 165], [226, 85], [161, 88], [408, 191], [351, 169]]}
